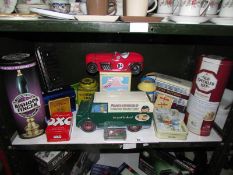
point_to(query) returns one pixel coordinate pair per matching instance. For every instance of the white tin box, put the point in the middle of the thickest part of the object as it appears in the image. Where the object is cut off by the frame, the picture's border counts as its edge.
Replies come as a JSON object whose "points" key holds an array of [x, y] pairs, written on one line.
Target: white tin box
{"points": [[134, 101]]}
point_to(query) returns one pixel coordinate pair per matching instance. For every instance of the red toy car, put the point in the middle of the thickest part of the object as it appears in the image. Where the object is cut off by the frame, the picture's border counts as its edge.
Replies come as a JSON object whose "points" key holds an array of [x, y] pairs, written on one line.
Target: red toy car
{"points": [[114, 62]]}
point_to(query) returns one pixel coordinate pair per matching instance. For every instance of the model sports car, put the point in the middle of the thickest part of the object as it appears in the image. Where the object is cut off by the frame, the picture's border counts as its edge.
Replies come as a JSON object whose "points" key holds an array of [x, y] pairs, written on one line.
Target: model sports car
{"points": [[114, 62]]}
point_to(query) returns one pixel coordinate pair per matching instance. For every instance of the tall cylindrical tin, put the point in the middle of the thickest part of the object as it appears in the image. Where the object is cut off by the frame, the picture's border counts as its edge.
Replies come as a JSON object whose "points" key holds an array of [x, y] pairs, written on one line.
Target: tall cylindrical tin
{"points": [[24, 94], [212, 74]]}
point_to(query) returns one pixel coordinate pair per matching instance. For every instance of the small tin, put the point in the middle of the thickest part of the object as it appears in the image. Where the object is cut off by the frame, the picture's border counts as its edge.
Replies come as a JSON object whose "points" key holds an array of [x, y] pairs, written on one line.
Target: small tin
{"points": [[115, 133], [59, 127], [24, 93], [86, 89], [212, 74], [60, 101]]}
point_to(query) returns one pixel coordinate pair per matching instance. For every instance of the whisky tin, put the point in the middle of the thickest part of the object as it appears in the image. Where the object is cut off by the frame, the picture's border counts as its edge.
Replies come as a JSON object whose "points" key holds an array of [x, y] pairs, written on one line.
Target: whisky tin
{"points": [[212, 74], [24, 93]]}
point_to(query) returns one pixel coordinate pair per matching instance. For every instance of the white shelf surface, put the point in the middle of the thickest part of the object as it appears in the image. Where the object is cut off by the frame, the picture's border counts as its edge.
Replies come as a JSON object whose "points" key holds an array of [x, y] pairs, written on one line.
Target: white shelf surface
{"points": [[144, 136]]}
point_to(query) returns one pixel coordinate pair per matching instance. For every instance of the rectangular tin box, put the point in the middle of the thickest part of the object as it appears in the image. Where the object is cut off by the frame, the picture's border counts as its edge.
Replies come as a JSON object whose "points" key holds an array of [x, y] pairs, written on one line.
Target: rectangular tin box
{"points": [[115, 81], [169, 127], [60, 101], [134, 101], [59, 127], [177, 88]]}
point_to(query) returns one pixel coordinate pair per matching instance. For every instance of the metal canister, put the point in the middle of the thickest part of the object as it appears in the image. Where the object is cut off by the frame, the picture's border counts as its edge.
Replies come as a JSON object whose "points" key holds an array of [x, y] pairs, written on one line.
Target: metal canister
{"points": [[212, 74], [86, 89], [24, 93]]}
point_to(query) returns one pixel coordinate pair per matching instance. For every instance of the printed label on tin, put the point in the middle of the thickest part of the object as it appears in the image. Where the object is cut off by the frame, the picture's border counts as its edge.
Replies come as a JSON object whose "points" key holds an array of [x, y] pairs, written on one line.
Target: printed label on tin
{"points": [[200, 108], [26, 105], [206, 81], [194, 124]]}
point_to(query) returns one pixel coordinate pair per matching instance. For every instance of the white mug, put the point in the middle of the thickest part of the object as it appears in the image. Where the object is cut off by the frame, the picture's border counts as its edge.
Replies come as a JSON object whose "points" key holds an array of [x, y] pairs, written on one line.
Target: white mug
{"points": [[167, 6], [226, 9], [138, 7], [213, 8], [119, 4], [193, 7]]}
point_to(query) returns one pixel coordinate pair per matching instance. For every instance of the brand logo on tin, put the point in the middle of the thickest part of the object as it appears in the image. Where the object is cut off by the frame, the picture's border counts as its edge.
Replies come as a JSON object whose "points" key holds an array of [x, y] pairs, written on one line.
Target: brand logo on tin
{"points": [[206, 81], [26, 105], [59, 121]]}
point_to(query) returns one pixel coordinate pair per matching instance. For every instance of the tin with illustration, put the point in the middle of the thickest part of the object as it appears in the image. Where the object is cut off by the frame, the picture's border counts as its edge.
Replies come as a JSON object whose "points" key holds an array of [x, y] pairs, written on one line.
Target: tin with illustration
{"points": [[24, 93]]}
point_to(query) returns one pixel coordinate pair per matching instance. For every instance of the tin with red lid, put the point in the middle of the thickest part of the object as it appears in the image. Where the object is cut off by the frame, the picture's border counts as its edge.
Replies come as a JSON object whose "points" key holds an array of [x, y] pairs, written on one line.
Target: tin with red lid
{"points": [[212, 74]]}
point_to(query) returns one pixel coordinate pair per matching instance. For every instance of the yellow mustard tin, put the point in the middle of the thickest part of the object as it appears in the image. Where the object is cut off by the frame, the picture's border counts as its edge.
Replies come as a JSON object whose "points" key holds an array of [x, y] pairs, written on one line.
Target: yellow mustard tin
{"points": [[86, 89]]}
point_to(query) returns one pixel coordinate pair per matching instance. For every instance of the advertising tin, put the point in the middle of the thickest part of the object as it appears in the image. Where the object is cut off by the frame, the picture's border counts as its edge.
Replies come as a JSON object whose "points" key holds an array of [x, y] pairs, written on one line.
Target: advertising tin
{"points": [[24, 94], [212, 74], [86, 89]]}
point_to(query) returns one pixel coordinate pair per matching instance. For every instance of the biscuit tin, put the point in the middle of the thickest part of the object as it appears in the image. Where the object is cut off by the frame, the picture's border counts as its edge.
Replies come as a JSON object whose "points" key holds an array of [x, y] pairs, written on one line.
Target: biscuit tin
{"points": [[168, 125], [211, 77]]}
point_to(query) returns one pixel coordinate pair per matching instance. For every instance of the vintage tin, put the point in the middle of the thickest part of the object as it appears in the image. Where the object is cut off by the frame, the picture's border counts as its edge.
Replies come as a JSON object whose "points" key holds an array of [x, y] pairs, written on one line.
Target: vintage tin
{"points": [[212, 74], [24, 93], [86, 89], [59, 127]]}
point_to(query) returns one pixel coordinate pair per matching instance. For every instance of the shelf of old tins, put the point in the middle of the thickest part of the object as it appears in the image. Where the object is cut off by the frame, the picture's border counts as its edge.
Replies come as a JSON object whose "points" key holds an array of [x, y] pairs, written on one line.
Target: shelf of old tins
{"points": [[144, 138], [52, 25]]}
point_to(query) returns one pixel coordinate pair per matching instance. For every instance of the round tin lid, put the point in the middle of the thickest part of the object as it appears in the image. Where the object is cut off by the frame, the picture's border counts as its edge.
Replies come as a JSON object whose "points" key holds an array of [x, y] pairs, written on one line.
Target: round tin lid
{"points": [[17, 61], [88, 83]]}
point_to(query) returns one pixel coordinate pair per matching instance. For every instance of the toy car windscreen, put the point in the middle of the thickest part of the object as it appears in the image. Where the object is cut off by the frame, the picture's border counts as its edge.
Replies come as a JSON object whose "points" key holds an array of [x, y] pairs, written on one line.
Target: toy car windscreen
{"points": [[125, 55], [99, 108]]}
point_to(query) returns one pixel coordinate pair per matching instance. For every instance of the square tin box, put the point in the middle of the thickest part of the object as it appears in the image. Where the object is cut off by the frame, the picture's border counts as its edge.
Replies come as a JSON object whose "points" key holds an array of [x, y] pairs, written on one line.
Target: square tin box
{"points": [[169, 125]]}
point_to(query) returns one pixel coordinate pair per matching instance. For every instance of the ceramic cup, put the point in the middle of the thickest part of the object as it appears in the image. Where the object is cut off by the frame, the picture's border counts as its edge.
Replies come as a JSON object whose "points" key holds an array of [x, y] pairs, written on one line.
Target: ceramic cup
{"points": [[61, 6], [119, 6], [138, 7], [34, 1], [213, 8], [193, 7], [167, 6], [226, 9], [98, 7]]}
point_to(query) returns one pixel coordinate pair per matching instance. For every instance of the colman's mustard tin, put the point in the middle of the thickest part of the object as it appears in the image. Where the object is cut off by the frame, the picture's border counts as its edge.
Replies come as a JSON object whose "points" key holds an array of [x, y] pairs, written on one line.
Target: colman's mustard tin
{"points": [[86, 89]]}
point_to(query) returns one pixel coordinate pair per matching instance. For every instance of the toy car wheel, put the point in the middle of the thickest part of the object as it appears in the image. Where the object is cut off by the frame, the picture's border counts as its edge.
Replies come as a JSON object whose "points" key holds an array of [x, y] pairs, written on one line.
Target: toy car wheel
{"points": [[88, 126], [134, 128], [92, 68], [135, 68]]}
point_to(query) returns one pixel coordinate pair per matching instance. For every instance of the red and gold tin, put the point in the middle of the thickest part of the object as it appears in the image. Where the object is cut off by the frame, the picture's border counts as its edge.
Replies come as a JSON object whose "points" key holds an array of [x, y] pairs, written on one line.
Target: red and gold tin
{"points": [[212, 74]]}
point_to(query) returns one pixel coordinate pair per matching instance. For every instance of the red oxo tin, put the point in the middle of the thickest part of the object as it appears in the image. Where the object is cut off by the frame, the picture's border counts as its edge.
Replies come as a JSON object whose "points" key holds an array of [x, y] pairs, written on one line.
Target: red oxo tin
{"points": [[212, 74], [59, 127]]}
